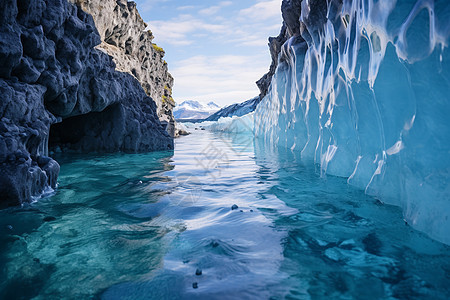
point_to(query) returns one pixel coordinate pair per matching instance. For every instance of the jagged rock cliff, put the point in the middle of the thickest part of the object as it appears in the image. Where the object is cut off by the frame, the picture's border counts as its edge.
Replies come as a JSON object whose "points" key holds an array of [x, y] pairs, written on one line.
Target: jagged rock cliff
{"points": [[124, 37], [290, 11], [51, 72]]}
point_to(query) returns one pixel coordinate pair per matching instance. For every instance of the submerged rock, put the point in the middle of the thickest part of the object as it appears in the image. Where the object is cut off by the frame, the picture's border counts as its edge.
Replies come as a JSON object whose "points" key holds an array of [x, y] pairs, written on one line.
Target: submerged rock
{"points": [[51, 72], [49, 219], [182, 132]]}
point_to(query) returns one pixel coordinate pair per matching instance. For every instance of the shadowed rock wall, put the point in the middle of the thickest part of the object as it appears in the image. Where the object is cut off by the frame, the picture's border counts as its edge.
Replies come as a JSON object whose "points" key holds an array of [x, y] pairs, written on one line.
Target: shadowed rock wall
{"points": [[124, 36], [50, 72]]}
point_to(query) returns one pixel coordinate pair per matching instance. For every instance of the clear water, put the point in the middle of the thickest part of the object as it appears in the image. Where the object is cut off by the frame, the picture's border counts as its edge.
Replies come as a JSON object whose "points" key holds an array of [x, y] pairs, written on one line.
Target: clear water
{"points": [[137, 226]]}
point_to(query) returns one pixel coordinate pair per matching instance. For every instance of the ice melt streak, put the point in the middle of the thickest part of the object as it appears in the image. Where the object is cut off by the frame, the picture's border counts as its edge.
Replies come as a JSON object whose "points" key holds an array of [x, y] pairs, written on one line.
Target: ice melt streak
{"points": [[366, 97]]}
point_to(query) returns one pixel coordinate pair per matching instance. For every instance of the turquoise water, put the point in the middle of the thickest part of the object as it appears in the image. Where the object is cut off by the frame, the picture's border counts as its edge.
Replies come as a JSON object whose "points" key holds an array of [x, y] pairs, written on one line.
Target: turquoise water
{"points": [[138, 226]]}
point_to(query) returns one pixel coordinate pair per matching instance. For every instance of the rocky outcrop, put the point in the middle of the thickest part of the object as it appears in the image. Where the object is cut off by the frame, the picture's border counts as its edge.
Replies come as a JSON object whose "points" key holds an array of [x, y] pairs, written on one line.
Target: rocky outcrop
{"points": [[125, 38], [51, 72], [275, 44], [291, 10]]}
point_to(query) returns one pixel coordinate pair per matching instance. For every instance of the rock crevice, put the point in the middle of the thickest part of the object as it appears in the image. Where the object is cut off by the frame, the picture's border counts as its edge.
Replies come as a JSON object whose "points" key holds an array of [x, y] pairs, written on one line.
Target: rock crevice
{"points": [[124, 37]]}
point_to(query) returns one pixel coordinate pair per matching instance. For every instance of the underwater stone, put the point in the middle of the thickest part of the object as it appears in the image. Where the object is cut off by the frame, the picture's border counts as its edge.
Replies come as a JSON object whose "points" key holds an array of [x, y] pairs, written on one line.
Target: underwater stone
{"points": [[49, 219]]}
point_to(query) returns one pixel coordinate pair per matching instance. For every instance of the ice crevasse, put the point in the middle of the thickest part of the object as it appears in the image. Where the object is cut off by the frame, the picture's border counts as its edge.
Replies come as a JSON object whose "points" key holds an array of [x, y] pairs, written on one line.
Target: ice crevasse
{"points": [[365, 94]]}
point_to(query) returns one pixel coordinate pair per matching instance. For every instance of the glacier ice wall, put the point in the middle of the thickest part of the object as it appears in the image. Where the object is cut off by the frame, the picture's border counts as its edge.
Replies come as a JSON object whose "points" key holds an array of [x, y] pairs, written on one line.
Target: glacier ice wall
{"points": [[365, 94]]}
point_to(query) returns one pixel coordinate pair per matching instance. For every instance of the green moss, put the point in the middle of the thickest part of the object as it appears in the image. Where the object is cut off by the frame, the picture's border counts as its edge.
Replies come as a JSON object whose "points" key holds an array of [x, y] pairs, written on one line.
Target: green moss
{"points": [[167, 97], [157, 48]]}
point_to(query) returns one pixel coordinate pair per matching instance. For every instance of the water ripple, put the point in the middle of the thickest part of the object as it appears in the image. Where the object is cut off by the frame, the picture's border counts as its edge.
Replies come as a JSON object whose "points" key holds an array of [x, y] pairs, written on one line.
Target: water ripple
{"points": [[140, 226]]}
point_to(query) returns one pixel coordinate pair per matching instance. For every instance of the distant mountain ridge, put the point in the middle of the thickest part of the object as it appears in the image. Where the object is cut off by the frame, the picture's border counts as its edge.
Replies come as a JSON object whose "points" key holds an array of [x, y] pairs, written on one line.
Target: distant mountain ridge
{"points": [[237, 109], [192, 109]]}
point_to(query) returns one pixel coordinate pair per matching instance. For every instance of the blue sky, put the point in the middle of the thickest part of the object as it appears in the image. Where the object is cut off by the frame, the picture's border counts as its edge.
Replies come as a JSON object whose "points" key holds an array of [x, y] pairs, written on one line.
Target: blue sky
{"points": [[216, 50]]}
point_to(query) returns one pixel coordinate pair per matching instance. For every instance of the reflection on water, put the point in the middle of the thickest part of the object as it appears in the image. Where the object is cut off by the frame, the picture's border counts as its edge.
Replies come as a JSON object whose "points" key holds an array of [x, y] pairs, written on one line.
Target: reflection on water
{"points": [[139, 226]]}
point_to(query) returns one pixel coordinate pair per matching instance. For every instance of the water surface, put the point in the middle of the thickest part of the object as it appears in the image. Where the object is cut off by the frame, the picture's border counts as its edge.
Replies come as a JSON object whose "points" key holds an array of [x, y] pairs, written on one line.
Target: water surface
{"points": [[138, 226]]}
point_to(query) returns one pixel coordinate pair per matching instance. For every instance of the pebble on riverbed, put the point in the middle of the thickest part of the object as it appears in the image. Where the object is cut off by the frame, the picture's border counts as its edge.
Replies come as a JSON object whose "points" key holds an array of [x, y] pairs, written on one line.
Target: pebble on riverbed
{"points": [[49, 219], [234, 207]]}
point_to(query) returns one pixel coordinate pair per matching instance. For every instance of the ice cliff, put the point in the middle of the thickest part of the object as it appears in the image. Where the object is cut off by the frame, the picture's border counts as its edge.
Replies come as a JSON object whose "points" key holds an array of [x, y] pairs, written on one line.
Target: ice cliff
{"points": [[58, 89], [361, 88]]}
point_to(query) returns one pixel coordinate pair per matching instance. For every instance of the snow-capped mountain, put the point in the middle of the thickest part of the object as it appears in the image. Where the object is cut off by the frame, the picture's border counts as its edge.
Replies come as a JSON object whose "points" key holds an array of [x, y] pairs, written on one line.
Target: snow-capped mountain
{"points": [[192, 109]]}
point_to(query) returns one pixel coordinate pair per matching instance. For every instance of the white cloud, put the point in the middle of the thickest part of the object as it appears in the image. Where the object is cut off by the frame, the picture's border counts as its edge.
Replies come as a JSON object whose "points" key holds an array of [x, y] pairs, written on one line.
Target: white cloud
{"points": [[225, 3], [224, 98], [178, 31], [224, 79], [219, 28], [212, 10], [254, 42], [262, 10], [148, 4], [186, 7]]}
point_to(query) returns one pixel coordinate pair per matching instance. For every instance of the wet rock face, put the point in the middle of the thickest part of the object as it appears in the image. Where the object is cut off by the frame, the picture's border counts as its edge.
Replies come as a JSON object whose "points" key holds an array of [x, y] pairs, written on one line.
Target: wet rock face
{"points": [[25, 171], [51, 72], [125, 38]]}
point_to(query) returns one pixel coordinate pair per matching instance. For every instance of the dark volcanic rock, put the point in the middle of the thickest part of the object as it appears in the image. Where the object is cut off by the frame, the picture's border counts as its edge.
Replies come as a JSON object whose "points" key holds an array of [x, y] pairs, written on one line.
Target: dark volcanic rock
{"points": [[51, 72], [291, 11], [275, 44], [125, 38]]}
